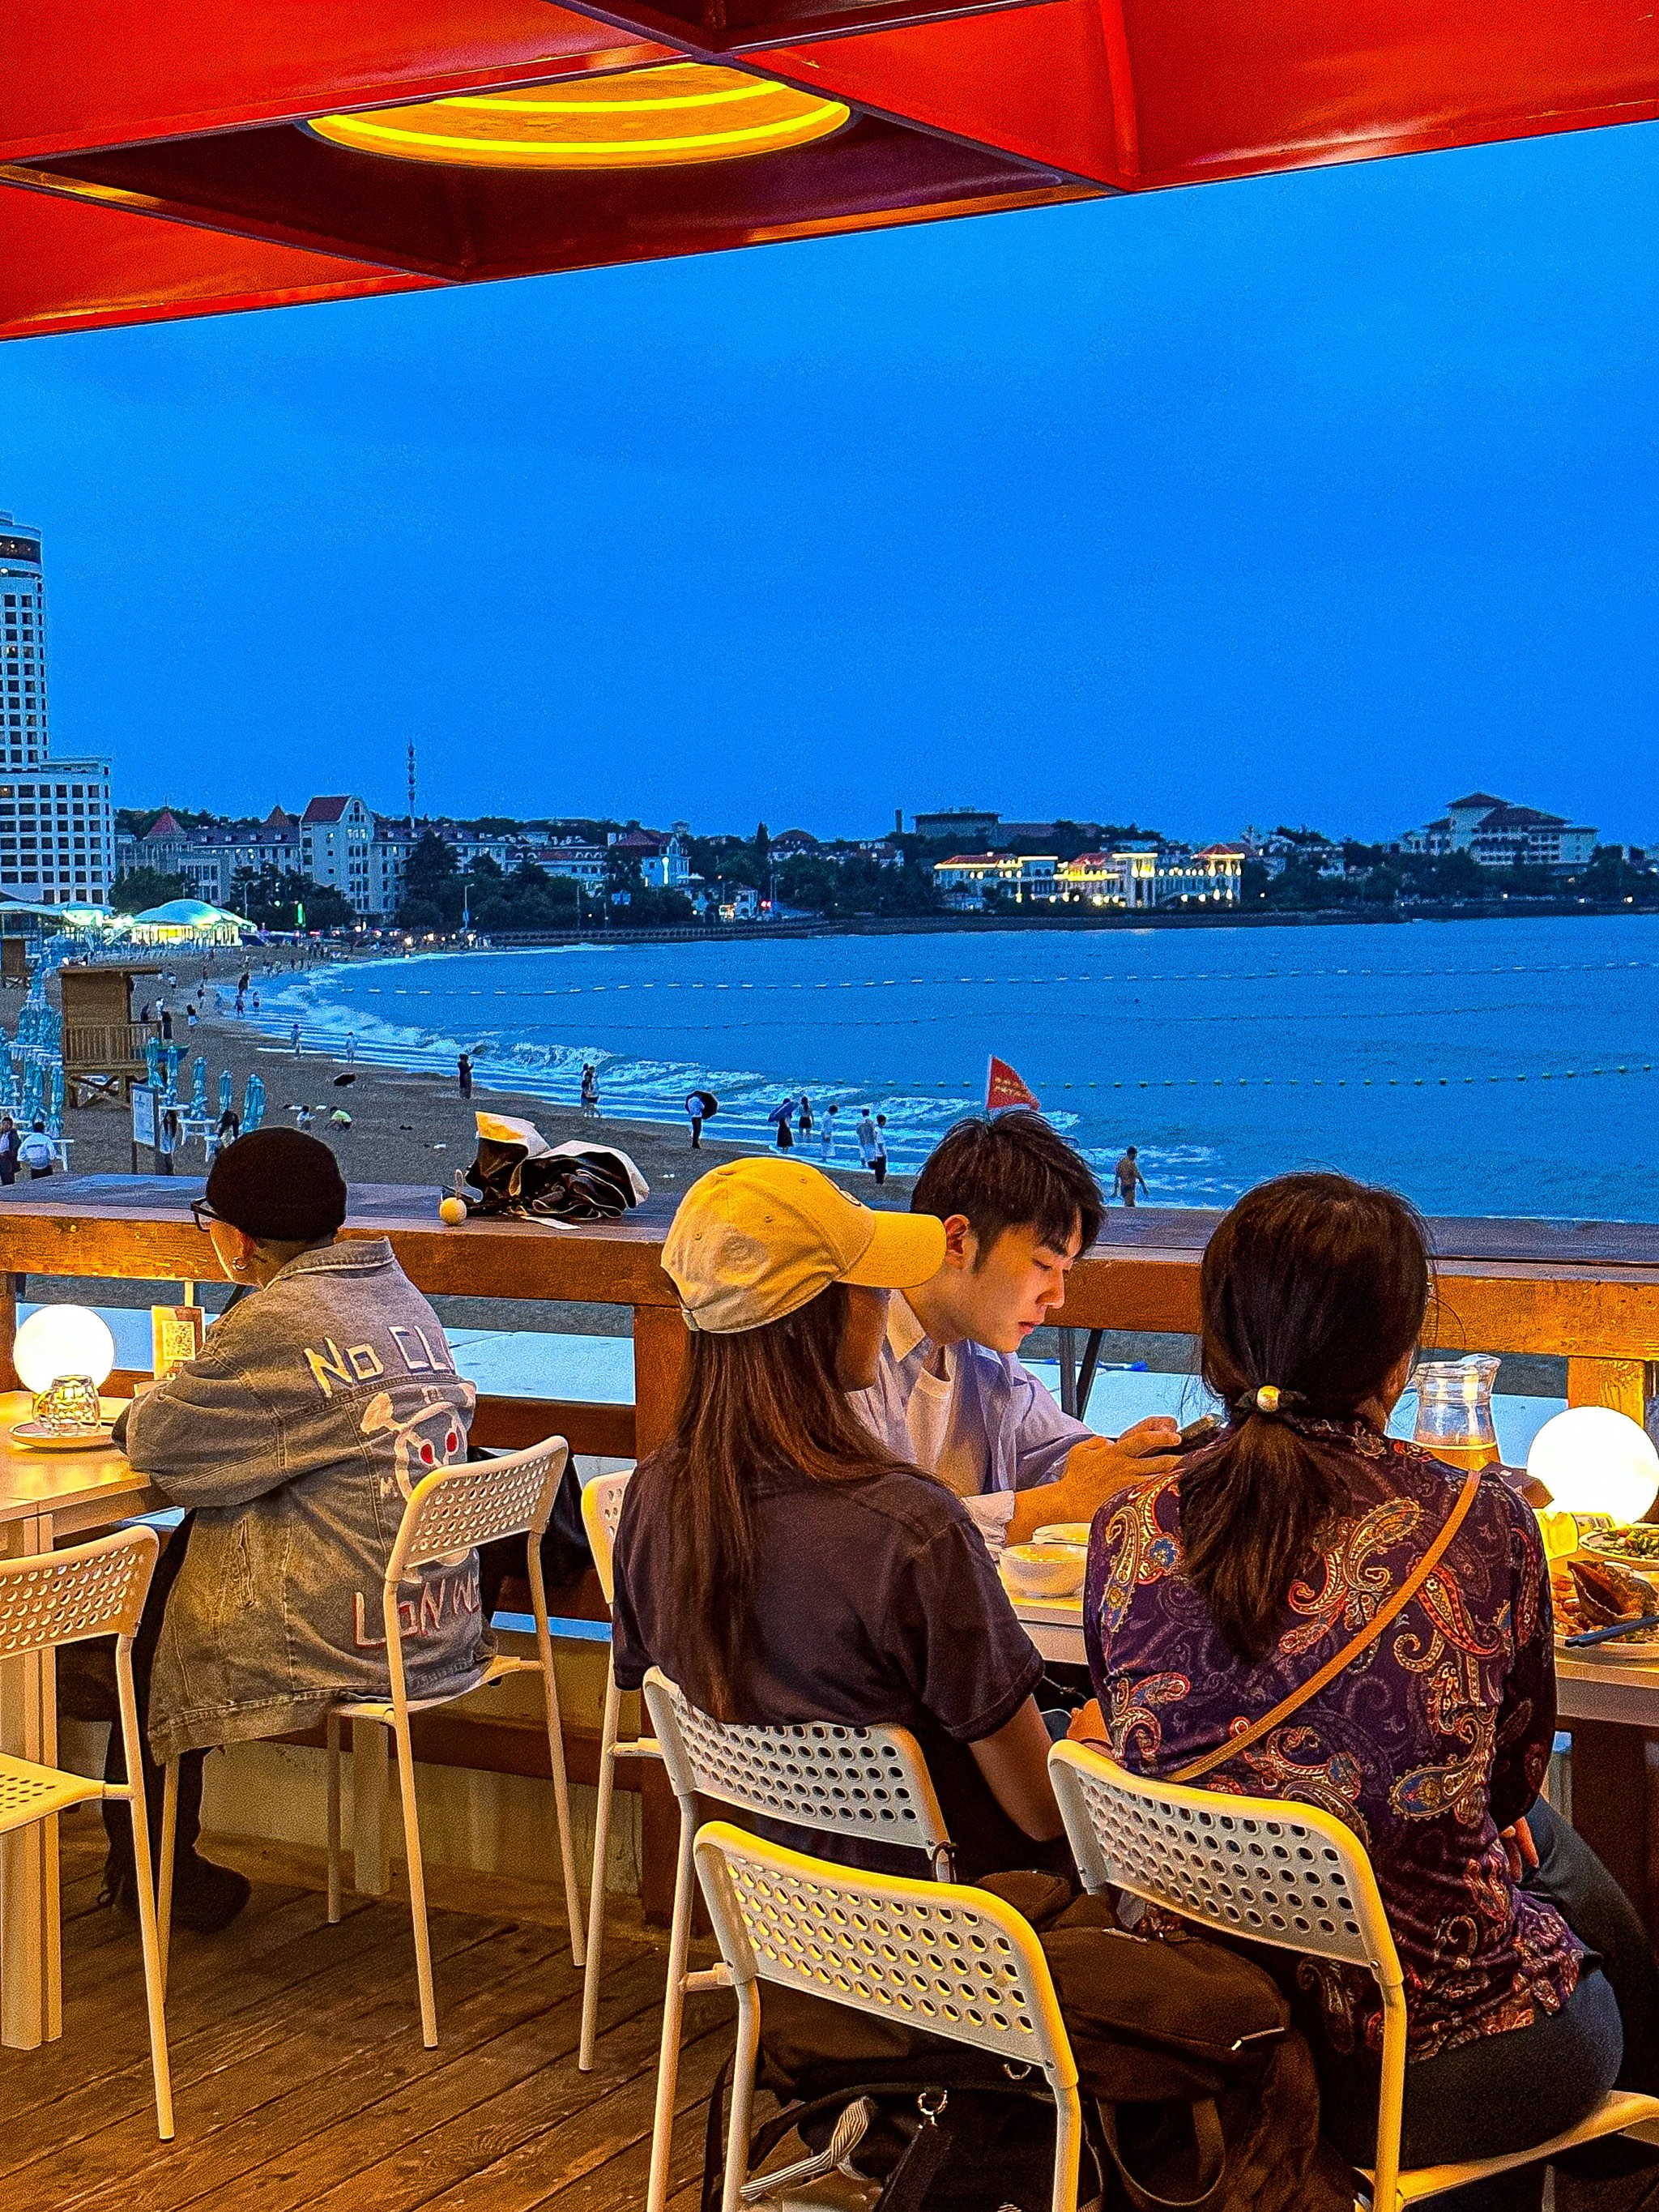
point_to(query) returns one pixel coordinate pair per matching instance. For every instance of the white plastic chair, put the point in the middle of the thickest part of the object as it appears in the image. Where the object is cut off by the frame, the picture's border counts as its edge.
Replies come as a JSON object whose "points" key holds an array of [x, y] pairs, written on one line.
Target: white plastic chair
{"points": [[449, 1511], [602, 1504], [958, 1962], [870, 1783], [65, 1597], [1279, 1872]]}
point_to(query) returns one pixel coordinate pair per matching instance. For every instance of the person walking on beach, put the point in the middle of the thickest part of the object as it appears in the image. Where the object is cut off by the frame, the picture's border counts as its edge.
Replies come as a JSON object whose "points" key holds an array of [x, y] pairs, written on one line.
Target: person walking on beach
{"points": [[351, 1047], [783, 1119], [294, 1039], [166, 1025], [879, 1165], [38, 1154], [1127, 1175], [869, 1138], [804, 1124], [464, 1075], [590, 1091], [694, 1109], [190, 1016], [827, 1134]]}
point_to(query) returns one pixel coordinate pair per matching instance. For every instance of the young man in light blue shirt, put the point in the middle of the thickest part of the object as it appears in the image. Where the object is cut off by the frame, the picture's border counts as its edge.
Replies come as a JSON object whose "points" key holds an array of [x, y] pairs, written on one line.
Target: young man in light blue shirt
{"points": [[1019, 1205]]}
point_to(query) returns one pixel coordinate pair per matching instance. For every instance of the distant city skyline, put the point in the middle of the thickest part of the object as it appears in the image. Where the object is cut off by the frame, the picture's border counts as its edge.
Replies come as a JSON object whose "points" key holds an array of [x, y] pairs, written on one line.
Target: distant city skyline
{"points": [[1320, 498]]}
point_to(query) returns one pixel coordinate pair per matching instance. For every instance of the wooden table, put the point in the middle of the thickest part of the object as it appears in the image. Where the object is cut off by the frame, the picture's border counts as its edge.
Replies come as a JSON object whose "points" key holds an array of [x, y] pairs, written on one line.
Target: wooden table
{"points": [[45, 1498]]}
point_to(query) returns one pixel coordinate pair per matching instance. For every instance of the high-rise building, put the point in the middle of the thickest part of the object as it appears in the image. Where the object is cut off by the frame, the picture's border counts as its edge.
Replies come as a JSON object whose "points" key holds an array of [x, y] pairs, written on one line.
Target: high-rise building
{"points": [[56, 828]]}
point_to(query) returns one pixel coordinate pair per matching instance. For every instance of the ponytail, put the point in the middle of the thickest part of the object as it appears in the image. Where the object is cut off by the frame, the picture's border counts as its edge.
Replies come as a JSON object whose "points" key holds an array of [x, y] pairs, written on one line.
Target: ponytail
{"points": [[1253, 1508], [1313, 1291]]}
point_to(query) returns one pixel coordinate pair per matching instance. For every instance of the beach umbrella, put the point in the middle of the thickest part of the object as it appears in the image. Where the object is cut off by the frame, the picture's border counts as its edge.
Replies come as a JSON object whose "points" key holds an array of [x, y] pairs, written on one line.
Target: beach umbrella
{"points": [[702, 1103], [198, 1104], [226, 1091], [253, 1102], [782, 1113], [153, 1061], [170, 1093], [55, 1110]]}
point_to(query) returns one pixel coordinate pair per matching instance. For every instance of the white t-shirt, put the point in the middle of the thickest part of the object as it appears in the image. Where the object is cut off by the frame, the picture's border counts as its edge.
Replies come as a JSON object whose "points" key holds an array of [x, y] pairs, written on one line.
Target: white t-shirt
{"points": [[941, 1444]]}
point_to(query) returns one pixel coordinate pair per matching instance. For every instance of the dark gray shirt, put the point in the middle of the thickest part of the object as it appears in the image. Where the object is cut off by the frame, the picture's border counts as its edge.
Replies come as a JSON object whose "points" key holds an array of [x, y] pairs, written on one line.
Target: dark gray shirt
{"points": [[875, 1602]]}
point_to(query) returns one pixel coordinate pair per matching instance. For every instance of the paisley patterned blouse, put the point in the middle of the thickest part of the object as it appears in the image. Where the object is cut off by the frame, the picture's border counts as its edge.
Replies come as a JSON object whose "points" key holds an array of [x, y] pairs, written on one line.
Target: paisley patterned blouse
{"points": [[1435, 1738]]}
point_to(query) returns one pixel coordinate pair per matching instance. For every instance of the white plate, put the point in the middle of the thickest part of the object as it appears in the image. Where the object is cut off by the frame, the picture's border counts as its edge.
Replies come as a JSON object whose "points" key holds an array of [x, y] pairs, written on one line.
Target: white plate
{"points": [[1629, 1651], [37, 1437]]}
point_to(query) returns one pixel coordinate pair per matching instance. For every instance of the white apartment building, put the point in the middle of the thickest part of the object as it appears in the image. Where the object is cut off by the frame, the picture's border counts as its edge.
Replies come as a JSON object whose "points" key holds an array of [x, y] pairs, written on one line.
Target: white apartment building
{"points": [[1029, 879], [1214, 876], [1127, 879], [587, 864], [56, 827], [335, 837], [1497, 834]]}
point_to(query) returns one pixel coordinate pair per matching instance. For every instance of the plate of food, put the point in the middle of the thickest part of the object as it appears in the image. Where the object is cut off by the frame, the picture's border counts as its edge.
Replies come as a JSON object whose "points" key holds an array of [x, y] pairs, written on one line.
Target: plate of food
{"points": [[1593, 1594], [1636, 1544]]}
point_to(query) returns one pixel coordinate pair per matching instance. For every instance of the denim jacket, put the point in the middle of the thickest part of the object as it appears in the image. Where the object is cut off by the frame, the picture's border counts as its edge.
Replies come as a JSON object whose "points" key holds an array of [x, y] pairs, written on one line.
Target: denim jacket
{"points": [[316, 1406]]}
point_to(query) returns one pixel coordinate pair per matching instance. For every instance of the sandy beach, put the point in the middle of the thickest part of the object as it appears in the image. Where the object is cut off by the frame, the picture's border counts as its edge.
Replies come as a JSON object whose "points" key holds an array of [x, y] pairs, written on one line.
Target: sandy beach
{"points": [[405, 1128]]}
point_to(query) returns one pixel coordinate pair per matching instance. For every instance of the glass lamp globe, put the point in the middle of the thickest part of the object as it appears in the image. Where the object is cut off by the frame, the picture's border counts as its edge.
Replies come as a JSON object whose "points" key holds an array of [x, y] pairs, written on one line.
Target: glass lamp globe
{"points": [[1595, 1460], [60, 1341]]}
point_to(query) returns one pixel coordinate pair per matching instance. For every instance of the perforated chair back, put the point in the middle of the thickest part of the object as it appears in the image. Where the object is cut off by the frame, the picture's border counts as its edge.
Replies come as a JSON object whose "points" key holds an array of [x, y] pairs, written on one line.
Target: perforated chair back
{"points": [[828, 1775], [477, 1502], [1281, 1872], [602, 1505], [63, 1597], [956, 1962]]}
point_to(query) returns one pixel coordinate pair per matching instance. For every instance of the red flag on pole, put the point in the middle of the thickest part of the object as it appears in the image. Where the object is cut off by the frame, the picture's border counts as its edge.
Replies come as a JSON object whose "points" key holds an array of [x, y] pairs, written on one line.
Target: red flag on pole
{"points": [[1004, 1088]]}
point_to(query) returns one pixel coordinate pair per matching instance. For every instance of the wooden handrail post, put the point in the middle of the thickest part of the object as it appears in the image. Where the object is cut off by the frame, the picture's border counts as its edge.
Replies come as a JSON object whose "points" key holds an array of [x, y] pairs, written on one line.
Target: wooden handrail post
{"points": [[659, 1341], [1620, 1383], [8, 1375]]}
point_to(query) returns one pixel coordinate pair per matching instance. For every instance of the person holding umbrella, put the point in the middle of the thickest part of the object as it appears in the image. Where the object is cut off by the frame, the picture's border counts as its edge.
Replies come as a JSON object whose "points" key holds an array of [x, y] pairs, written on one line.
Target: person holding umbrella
{"points": [[782, 1118], [701, 1106]]}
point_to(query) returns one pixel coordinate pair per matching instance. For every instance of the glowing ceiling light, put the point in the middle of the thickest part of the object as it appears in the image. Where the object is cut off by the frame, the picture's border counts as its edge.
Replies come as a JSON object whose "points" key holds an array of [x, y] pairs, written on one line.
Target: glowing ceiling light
{"points": [[645, 119]]}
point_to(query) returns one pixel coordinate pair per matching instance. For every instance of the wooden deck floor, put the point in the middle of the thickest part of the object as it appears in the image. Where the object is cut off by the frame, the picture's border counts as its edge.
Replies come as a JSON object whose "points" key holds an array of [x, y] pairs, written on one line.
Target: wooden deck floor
{"points": [[299, 2075]]}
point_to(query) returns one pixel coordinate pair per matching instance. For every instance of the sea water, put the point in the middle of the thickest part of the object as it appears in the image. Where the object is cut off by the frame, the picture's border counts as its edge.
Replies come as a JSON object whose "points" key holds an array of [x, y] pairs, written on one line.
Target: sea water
{"points": [[1502, 1068]]}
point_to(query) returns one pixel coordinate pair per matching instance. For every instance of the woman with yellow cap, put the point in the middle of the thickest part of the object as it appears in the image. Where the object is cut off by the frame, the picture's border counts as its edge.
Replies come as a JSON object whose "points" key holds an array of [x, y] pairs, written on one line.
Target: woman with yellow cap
{"points": [[779, 1563]]}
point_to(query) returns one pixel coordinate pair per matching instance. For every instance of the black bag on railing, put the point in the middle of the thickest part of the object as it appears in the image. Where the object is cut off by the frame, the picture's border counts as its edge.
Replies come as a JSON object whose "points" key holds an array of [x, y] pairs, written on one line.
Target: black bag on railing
{"points": [[518, 1172]]}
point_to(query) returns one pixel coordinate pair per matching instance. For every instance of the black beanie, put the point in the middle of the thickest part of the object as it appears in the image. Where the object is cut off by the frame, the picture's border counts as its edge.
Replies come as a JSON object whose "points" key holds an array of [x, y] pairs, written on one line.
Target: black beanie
{"points": [[278, 1185]]}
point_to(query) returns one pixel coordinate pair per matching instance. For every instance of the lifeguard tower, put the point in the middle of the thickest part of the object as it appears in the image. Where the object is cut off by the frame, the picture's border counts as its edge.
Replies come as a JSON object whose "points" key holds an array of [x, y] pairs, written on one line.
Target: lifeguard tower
{"points": [[103, 1045]]}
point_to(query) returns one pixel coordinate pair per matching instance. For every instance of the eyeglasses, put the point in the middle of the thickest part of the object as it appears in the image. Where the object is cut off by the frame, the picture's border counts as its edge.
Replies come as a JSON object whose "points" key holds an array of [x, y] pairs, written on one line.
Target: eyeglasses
{"points": [[202, 1214]]}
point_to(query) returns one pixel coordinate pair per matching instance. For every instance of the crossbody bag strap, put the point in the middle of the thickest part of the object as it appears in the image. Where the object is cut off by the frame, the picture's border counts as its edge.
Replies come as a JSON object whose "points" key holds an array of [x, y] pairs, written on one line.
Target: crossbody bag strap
{"points": [[1350, 1651]]}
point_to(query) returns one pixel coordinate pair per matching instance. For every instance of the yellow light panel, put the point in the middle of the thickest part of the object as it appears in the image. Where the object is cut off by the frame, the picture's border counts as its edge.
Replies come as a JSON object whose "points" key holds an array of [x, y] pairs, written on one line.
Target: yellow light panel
{"points": [[683, 112]]}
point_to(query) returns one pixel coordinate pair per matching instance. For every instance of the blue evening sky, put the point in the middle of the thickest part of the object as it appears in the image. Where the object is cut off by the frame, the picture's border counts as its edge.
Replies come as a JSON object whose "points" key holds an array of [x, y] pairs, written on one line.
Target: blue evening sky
{"points": [[1322, 497]]}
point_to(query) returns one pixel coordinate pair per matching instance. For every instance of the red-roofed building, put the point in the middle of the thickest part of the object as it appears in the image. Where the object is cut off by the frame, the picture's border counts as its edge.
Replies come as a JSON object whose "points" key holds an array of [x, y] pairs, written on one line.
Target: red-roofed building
{"points": [[335, 837]]}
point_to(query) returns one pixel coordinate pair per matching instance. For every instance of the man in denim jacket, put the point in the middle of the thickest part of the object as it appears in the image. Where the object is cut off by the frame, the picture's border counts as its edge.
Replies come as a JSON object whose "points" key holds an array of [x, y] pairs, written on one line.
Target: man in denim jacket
{"points": [[296, 1438]]}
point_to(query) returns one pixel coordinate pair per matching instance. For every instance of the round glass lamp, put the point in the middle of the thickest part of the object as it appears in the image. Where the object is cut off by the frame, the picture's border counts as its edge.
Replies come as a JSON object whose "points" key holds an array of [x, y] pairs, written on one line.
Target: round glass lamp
{"points": [[64, 1354], [681, 114], [1594, 1461]]}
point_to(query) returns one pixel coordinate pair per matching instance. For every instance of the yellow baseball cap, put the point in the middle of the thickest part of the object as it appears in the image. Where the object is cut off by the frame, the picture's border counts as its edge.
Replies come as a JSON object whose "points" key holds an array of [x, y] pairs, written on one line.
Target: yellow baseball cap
{"points": [[757, 1240]]}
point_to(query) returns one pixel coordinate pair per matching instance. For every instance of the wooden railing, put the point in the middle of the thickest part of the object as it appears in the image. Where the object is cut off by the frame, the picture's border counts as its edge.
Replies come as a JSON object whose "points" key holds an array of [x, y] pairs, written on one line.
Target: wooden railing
{"points": [[1588, 1291], [106, 1047]]}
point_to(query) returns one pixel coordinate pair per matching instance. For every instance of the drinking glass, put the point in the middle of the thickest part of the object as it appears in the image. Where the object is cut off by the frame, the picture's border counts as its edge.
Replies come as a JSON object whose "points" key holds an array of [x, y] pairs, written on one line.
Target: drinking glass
{"points": [[1453, 1410]]}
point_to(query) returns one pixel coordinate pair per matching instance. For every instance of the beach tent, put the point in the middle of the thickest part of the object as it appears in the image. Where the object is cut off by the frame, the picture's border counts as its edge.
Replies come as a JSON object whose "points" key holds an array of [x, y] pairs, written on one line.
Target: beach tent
{"points": [[189, 921], [199, 158]]}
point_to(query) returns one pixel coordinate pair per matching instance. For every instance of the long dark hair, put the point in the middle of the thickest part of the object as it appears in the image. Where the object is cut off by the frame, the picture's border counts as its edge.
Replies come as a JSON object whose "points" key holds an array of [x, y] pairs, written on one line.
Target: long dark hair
{"points": [[1318, 1286], [751, 1403]]}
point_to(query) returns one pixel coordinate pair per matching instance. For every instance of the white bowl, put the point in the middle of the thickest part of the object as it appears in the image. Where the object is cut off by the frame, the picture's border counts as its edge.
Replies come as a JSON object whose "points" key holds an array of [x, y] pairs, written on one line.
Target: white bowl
{"points": [[1075, 1533], [1044, 1569]]}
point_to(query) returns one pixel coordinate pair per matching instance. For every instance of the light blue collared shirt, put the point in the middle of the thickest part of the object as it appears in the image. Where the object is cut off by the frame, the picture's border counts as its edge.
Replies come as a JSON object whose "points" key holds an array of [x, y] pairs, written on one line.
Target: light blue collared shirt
{"points": [[1000, 1415]]}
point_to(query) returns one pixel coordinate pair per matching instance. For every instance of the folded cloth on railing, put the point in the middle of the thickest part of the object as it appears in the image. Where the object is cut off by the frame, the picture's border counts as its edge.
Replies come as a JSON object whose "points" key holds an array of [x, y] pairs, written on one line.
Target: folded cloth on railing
{"points": [[518, 1172]]}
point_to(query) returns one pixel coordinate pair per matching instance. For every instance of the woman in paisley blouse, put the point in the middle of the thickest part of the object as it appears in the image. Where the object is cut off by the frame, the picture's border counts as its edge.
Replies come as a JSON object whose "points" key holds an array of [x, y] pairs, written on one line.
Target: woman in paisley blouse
{"points": [[1215, 1592]]}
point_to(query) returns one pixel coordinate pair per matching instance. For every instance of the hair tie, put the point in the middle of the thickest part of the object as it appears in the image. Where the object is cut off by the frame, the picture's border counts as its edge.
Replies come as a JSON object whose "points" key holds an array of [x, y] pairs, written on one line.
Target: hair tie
{"points": [[1266, 1398]]}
